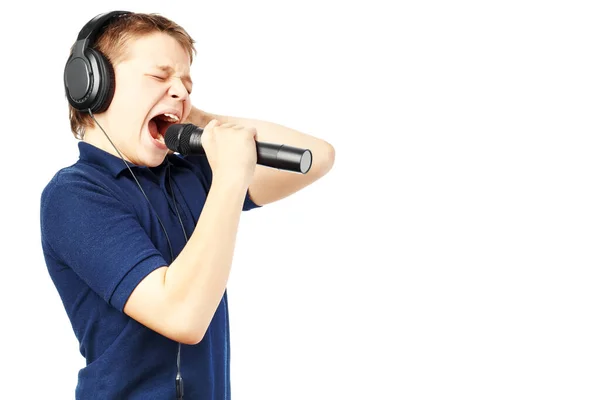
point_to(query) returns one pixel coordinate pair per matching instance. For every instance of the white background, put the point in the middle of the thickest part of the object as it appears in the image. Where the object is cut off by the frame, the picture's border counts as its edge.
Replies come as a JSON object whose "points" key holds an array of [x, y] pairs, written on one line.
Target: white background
{"points": [[453, 250]]}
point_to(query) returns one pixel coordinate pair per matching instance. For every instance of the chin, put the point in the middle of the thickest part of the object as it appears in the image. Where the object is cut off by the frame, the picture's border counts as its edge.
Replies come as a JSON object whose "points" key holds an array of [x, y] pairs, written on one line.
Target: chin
{"points": [[153, 160], [151, 154]]}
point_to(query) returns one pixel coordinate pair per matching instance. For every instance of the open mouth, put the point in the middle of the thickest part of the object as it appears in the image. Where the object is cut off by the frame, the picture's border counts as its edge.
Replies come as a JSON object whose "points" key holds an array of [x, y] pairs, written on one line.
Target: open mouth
{"points": [[158, 125]]}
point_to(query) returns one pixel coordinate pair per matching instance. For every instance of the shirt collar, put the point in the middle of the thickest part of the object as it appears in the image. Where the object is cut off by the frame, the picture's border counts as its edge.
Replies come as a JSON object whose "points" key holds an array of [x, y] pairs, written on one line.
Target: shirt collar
{"points": [[93, 155]]}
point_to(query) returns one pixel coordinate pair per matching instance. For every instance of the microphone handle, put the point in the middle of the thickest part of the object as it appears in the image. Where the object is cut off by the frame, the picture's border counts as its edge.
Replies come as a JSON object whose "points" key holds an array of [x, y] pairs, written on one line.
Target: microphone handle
{"points": [[272, 155], [283, 157]]}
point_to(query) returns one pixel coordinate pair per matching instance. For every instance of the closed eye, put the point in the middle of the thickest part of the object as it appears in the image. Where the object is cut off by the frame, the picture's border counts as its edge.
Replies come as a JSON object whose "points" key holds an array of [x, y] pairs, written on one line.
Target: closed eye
{"points": [[164, 78]]}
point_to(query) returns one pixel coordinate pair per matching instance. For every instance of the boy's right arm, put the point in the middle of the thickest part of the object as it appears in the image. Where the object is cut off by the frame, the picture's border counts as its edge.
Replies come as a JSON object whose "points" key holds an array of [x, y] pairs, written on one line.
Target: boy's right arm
{"points": [[179, 301]]}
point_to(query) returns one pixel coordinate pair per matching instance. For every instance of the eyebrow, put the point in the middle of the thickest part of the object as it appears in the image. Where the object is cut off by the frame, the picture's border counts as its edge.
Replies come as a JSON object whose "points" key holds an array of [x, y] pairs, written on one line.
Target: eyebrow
{"points": [[171, 71]]}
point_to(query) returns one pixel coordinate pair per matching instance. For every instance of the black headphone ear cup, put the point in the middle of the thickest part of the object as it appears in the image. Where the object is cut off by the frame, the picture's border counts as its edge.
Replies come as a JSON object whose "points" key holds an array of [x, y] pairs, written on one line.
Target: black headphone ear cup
{"points": [[106, 88]]}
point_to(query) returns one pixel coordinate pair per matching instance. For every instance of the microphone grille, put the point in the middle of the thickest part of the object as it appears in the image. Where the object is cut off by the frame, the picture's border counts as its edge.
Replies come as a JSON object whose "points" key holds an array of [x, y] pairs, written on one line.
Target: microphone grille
{"points": [[184, 139], [177, 138], [172, 137]]}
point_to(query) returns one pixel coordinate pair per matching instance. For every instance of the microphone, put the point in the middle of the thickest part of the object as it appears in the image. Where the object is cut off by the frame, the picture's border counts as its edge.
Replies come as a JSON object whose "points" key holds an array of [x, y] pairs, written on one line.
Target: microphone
{"points": [[185, 139]]}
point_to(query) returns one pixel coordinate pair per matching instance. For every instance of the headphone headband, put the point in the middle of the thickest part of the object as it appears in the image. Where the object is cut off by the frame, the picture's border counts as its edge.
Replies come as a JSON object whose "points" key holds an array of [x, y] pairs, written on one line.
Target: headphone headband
{"points": [[90, 30]]}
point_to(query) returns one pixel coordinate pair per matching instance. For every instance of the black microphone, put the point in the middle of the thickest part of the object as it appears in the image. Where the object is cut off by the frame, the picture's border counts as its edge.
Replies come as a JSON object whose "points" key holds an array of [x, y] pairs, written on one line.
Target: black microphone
{"points": [[185, 139]]}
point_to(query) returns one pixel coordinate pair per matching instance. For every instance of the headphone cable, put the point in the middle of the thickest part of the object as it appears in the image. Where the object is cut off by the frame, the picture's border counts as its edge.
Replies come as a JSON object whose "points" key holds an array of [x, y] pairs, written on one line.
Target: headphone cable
{"points": [[178, 378]]}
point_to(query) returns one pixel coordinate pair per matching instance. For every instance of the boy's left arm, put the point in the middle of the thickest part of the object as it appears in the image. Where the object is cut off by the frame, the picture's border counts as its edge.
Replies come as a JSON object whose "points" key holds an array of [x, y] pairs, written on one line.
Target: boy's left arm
{"points": [[270, 184]]}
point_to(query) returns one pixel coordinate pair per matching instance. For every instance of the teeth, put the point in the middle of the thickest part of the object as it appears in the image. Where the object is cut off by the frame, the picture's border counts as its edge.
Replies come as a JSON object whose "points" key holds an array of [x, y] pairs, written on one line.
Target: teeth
{"points": [[171, 117]]}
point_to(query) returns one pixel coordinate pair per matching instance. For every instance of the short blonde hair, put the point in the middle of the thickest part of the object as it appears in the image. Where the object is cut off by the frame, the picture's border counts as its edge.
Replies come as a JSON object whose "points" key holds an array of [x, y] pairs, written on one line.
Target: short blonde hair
{"points": [[112, 43]]}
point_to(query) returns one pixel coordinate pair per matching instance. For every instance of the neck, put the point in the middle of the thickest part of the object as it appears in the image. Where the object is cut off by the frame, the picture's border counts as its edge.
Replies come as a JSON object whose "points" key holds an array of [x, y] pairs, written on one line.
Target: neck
{"points": [[97, 138]]}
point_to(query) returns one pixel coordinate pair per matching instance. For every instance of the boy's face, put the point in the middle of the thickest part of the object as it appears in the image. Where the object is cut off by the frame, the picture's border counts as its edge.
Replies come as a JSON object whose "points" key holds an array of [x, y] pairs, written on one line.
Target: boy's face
{"points": [[153, 80]]}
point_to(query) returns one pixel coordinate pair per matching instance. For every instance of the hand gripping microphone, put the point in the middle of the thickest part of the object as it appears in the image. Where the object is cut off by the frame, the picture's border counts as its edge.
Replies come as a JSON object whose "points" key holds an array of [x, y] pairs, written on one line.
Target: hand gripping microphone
{"points": [[185, 139]]}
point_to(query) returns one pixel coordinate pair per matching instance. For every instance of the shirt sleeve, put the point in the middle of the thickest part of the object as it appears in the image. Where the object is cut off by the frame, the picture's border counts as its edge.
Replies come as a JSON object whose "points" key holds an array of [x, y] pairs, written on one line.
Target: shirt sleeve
{"points": [[87, 228], [202, 166]]}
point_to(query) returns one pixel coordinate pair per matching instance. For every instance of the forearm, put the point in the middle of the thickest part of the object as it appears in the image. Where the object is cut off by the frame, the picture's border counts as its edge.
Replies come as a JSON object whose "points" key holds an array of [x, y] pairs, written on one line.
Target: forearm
{"points": [[271, 132], [269, 184], [196, 280]]}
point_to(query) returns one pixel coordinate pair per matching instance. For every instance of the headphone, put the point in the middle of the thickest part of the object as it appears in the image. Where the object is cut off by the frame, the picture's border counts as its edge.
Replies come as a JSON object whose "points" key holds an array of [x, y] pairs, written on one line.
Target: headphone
{"points": [[89, 77]]}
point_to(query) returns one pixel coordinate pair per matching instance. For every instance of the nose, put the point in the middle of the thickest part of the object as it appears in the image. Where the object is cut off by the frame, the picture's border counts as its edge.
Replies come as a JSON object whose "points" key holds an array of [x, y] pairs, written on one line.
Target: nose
{"points": [[177, 89]]}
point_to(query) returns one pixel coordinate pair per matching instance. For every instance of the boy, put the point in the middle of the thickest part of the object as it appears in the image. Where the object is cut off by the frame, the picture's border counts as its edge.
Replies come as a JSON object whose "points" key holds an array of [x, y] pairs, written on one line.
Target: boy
{"points": [[139, 241]]}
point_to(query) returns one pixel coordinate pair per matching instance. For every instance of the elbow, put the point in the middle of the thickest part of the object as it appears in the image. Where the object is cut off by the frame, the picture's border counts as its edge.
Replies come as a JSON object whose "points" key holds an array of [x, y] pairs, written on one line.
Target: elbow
{"points": [[191, 335], [326, 159], [189, 326], [330, 157], [191, 338]]}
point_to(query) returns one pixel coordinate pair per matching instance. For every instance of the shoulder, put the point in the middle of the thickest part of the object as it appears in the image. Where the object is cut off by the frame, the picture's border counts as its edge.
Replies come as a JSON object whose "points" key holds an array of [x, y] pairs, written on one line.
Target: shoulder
{"points": [[75, 202], [77, 187], [63, 180]]}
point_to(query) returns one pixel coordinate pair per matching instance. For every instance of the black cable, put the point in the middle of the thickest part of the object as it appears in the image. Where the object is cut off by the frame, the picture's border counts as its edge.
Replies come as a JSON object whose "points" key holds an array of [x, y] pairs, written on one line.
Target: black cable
{"points": [[140, 186], [178, 378], [175, 202]]}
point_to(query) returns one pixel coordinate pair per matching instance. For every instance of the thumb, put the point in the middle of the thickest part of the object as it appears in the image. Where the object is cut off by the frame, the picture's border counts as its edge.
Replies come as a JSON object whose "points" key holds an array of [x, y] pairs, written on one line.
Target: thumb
{"points": [[212, 124], [208, 130]]}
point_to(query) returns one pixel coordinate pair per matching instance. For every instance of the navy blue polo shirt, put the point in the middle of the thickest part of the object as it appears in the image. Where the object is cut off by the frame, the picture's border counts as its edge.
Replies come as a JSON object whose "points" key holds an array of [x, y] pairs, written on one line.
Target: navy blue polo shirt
{"points": [[100, 238]]}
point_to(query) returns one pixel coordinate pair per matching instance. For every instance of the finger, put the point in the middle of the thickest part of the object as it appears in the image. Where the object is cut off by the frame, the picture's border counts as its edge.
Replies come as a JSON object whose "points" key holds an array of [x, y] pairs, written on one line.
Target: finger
{"points": [[252, 131], [212, 124]]}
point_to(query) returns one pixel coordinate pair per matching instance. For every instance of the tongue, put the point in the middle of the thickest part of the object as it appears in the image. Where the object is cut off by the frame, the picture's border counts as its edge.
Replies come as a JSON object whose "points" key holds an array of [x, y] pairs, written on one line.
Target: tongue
{"points": [[153, 128]]}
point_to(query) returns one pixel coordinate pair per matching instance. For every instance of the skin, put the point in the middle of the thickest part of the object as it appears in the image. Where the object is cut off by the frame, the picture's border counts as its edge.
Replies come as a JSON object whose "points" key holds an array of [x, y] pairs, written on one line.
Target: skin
{"points": [[268, 184], [179, 301], [142, 90]]}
